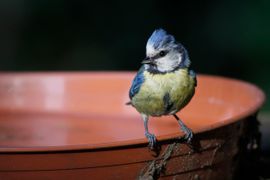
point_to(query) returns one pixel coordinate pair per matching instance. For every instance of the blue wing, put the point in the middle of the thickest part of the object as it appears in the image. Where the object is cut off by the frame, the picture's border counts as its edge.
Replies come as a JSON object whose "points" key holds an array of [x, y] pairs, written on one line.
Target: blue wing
{"points": [[137, 82], [193, 75]]}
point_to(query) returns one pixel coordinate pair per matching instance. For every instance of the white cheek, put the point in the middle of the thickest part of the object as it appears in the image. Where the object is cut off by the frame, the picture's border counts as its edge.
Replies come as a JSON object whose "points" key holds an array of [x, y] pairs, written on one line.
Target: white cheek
{"points": [[177, 58], [180, 58], [164, 64], [169, 62]]}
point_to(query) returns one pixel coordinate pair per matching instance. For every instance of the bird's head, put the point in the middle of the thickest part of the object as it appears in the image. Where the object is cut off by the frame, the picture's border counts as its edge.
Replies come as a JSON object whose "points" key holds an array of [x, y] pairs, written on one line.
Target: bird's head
{"points": [[164, 54]]}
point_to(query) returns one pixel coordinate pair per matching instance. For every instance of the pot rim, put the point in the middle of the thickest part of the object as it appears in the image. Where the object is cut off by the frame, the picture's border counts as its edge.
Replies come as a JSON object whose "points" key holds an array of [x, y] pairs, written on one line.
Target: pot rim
{"points": [[134, 142]]}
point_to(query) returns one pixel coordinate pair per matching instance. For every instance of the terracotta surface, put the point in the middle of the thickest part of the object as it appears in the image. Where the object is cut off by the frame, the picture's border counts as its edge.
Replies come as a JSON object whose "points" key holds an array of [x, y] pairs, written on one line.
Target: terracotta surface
{"points": [[68, 125]]}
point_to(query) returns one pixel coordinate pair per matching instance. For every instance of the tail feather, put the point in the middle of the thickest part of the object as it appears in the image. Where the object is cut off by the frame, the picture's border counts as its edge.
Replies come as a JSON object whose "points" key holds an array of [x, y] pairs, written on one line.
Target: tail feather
{"points": [[129, 103]]}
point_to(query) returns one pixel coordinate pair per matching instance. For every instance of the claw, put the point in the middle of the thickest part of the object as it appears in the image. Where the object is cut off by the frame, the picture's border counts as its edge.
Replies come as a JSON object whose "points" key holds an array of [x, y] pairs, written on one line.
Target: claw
{"points": [[188, 134], [151, 139]]}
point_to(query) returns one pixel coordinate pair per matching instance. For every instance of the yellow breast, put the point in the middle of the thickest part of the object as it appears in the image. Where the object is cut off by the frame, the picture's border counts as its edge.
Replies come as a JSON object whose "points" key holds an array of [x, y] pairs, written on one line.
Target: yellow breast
{"points": [[150, 99]]}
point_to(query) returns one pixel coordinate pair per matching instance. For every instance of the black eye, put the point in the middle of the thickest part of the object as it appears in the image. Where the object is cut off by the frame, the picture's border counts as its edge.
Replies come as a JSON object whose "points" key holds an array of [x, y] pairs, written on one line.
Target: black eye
{"points": [[162, 53]]}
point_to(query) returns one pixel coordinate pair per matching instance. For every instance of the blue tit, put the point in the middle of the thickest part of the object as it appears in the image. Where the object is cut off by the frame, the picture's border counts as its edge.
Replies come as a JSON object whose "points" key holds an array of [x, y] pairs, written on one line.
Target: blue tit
{"points": [[164, 84]]}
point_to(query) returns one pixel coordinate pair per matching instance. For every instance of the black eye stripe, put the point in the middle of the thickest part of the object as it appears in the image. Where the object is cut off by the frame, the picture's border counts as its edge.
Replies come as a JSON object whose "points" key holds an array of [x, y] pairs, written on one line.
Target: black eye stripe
{"points": [[160, 54]]}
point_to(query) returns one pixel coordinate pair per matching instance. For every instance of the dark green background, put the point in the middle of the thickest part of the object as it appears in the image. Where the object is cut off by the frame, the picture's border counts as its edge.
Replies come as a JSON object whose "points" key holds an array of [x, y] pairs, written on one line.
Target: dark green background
{"points": [[229, 38]]}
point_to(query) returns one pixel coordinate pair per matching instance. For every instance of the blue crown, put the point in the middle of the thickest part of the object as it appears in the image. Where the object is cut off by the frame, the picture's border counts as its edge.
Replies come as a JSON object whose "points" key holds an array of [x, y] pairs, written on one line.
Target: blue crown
{"points": [[160, 38]]}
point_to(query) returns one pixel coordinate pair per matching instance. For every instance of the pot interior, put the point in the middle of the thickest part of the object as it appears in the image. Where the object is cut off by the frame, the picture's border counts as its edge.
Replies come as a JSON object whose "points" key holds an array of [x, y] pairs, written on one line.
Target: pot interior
{"points": [[58, 111]]}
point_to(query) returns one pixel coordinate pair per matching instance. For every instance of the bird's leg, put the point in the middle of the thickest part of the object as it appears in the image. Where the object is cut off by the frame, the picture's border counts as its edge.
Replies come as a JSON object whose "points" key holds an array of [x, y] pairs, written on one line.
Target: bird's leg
{"points": [[151, 137], [187, 131]]}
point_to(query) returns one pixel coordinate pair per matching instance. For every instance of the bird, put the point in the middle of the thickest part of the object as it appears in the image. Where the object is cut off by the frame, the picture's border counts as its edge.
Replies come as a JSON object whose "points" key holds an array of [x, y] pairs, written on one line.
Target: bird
{"points": [[164, 84]]}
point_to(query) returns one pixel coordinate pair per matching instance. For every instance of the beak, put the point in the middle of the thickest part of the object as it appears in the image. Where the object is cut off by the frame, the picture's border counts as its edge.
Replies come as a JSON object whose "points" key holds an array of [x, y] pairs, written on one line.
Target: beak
{"points": [[147, 60]]}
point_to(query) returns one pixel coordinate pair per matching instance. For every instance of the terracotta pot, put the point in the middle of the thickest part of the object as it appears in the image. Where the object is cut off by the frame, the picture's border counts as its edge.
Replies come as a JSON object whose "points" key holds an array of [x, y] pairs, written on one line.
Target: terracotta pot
{"points": [[77, 126]]}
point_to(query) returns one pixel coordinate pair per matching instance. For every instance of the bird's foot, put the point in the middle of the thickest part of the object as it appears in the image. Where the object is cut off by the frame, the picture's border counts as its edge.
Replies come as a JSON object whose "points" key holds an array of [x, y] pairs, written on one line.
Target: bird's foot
{"points": [[151, 139], [188, 134]]}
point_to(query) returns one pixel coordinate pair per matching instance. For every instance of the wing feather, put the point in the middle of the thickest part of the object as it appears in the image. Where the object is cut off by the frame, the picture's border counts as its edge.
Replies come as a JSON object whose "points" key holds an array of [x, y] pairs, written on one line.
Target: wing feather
{"points": [[137, 82]]}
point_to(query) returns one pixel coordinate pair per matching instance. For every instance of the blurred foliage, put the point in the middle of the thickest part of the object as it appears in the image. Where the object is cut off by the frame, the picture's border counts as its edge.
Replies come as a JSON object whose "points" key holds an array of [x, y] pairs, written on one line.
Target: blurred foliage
{"points": [[228, 38]]}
